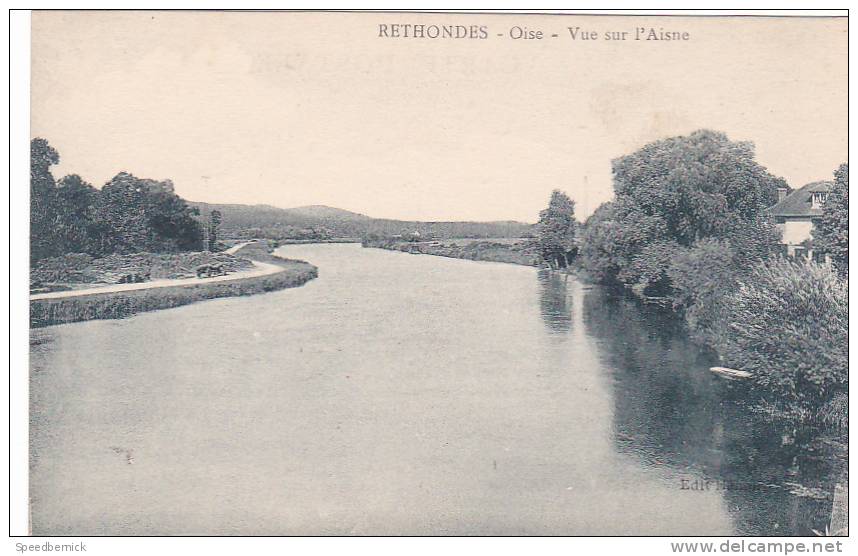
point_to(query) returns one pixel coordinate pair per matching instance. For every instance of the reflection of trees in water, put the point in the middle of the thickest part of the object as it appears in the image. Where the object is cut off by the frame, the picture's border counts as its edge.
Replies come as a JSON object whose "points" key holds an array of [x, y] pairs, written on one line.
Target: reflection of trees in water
{"points": [[555, 305], [670, 411], [780, 488]]}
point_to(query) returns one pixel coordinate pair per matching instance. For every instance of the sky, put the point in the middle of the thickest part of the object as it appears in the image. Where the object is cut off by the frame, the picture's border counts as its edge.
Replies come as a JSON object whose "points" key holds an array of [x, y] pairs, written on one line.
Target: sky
{"points": [[294, 109]]}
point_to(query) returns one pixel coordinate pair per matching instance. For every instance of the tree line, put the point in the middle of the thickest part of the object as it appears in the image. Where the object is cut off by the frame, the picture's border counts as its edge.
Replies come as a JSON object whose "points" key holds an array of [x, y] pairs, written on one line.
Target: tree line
{"points": [[689, 225], [127, 215]]}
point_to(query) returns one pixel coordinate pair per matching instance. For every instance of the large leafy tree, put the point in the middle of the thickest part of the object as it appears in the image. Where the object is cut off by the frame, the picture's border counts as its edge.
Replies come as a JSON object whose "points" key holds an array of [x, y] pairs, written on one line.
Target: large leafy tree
{"points": [[675, 192], [556, 230], [135, 214], [696, 185], [60, 216], [43, 200], [831, 232], [75, 226], [600, 251]]}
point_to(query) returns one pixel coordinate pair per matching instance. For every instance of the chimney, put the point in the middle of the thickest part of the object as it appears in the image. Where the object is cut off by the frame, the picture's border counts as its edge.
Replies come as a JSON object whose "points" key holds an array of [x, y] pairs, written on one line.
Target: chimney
{"points": [[782, 193]]}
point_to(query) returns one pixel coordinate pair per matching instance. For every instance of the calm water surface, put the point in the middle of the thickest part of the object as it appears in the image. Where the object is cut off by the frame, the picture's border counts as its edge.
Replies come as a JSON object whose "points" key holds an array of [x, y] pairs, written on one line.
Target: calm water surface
{"points": [[400, 394]]}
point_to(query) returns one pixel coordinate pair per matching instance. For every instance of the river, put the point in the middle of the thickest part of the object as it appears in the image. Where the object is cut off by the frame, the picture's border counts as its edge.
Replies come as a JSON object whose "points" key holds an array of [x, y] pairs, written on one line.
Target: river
{"points": [[401, 394]]}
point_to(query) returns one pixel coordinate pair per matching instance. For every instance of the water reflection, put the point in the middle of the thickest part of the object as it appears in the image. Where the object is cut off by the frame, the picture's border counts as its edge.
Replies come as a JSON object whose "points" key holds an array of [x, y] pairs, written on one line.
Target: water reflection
{"points": [[555, 303], [671, 413]]}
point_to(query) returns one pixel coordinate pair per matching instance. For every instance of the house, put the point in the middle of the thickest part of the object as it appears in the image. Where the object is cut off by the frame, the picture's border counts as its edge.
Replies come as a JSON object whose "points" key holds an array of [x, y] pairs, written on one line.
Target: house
{"points": [[795, 213]]}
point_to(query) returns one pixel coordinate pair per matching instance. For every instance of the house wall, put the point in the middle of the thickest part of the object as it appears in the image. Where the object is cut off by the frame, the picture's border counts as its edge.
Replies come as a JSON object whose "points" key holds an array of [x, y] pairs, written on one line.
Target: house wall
{"points": [[796, 230]]}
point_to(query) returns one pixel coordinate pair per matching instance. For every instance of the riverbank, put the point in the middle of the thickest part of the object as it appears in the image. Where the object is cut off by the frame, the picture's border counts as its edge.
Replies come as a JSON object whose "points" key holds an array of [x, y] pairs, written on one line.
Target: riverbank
{"points": [[512, 251], [80, 271], [310, 241], [139, 298]]}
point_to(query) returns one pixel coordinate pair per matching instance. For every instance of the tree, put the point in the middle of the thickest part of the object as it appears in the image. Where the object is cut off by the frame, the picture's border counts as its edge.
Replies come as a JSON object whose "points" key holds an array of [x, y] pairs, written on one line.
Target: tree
{"points": [[43, 200], [696, 184], [673, 193], [556, 231], [215, 219], [831, 232], [135, 215], [59, 211], [600, 251], [702, 275], [75, 227]]}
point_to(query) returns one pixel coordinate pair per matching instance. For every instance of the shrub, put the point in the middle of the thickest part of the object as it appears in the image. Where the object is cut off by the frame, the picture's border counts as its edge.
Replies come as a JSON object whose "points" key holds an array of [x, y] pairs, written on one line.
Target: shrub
{"points": [[599, 249], [787, 324], [647, 273], [702, 276], [831, 233]]}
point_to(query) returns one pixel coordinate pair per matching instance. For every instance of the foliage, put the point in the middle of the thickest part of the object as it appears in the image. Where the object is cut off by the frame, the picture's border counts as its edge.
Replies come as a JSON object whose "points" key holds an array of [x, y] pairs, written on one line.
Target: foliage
{"points": [[75, 227], [787, 324], [687, 219], [127, 215], [671, 194], [43, 201], [831, 232], [695, 185], [647, 270], [144, 215], [215, 218], [687, 222], [701, 275], [60, 212], [835, 412], [555, 231], [601, 252], [283, 233]]}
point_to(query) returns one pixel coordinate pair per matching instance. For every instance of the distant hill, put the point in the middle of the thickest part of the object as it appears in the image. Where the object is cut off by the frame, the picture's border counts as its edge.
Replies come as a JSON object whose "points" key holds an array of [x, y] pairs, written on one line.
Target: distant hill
{"points": [[270, 221], [328, 213]]}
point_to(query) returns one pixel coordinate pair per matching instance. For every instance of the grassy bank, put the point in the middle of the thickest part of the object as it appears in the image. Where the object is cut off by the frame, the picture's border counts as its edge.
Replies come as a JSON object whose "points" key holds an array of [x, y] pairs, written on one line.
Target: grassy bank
{"points": [[513, 251], [115, 305], [78, 270]]}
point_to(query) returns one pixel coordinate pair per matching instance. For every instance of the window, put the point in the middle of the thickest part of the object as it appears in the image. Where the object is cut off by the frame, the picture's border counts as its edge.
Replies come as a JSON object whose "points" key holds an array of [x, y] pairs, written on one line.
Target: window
{"points": [[817, 199]]}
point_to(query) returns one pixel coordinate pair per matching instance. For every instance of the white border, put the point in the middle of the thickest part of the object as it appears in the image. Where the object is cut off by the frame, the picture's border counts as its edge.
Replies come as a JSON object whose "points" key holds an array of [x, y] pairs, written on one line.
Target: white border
{"points": [[19, 96], [19, 315]]}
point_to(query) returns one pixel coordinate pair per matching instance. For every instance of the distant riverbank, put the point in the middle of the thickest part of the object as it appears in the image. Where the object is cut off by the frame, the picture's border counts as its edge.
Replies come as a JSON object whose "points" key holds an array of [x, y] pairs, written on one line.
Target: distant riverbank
{"points": [[121, 304], [309, 241], [512, 251]]}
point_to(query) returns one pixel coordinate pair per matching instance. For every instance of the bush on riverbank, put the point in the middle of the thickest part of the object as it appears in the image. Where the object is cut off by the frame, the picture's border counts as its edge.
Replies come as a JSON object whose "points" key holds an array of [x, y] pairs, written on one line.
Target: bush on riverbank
{"points": [[701, 275], [46, 312], [700, 278], [788, 324]]}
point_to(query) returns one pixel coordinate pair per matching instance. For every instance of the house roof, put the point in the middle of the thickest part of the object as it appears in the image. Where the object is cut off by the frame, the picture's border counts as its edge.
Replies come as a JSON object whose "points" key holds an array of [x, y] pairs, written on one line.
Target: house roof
{"points": [[798, 202]]}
